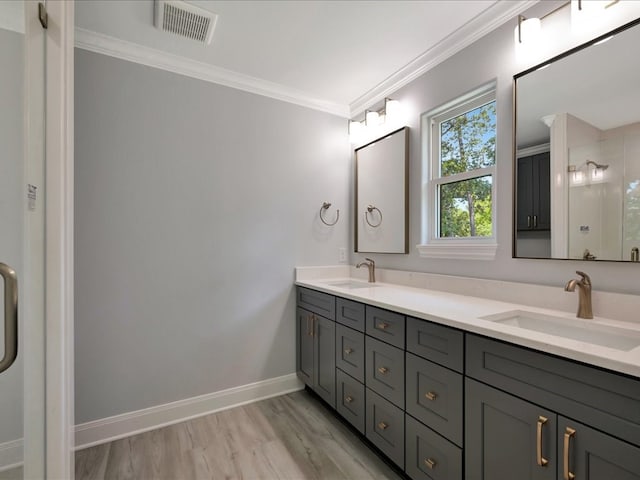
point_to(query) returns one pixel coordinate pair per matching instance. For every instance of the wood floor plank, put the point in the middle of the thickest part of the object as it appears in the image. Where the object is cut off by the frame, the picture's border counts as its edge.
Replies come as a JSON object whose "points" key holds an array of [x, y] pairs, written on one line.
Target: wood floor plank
{"points": [[91, 463], [291, 437]]}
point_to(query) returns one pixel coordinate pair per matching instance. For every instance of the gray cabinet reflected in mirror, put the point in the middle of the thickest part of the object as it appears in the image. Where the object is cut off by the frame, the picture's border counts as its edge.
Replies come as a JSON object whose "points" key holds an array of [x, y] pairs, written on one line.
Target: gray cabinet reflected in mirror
{"points": [[577, 152], [382, 195]]}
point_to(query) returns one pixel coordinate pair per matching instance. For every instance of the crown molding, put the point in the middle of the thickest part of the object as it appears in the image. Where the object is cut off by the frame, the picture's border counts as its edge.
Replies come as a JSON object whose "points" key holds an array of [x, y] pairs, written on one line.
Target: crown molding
{"points": [[487, 21], [132, 52]]}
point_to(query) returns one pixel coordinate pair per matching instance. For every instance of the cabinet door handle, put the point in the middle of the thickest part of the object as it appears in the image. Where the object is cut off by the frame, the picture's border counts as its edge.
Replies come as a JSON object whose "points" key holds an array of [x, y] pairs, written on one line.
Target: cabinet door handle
{"points": [[10, 320], [313, 325], [430, 463], [348, 351], [535, 221], [383, 370], [542, 462], [528, 221], [383, 426], [431, 396], [348, 399], [383, 326], [568, 433]]}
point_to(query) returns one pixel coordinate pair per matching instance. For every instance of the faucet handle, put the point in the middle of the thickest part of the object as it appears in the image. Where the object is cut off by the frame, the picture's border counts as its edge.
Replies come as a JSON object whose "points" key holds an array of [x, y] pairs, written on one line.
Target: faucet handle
{"points": [[585, 278], [369, 260]]}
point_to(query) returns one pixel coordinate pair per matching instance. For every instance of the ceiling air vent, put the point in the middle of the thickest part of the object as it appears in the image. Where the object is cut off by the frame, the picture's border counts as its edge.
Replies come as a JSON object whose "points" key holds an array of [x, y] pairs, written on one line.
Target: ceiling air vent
{"points": [[179, 17]]}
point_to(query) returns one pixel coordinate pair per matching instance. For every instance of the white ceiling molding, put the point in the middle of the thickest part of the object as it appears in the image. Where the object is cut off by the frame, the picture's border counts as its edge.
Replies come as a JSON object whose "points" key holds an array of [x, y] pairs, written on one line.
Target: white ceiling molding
{"points": [[473, 30], [114, 47]]}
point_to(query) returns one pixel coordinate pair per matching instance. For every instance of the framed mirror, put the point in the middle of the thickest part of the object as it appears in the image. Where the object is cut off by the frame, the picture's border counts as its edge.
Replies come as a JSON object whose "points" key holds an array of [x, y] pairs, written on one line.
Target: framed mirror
{"points": [[382, 195], [577, 152]]}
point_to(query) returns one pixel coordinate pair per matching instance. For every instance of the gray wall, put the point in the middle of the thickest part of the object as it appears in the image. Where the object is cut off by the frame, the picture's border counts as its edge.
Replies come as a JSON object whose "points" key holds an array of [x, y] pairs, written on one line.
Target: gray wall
{"points": [[194, 203], [11, 211], [492, 57]]}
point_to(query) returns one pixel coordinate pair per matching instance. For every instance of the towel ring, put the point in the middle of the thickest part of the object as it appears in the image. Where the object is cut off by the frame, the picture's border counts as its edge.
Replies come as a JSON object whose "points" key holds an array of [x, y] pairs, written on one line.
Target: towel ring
{"points": [[370, 209], [325, 206]]}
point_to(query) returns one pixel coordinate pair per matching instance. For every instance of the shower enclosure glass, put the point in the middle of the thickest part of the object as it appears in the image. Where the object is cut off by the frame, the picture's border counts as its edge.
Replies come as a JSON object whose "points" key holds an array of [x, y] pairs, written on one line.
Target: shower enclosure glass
{"points": [[21, 242]]}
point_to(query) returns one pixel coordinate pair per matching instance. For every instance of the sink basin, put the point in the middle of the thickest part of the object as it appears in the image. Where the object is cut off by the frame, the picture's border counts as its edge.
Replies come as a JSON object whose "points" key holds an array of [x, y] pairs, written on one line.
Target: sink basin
{"points": [[582, 330], [352, 284]]}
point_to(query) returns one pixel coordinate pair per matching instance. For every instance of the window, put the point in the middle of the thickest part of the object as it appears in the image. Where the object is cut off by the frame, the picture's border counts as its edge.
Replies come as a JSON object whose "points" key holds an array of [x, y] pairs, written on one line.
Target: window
{"points": [[460, 159]]}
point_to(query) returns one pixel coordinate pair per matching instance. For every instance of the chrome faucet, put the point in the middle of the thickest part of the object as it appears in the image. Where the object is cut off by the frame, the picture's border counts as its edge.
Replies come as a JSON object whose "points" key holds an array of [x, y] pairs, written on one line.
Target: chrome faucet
{"points": [[584, 294], [371, 265]]}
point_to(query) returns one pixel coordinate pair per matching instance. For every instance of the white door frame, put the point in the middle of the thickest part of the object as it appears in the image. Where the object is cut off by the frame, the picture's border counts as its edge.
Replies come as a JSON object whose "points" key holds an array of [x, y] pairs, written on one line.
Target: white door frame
{"points": [[59, 240]]}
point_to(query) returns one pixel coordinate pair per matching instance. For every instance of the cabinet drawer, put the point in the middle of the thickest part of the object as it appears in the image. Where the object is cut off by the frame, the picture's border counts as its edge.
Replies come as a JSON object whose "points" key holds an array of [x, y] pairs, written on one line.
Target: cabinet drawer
{"points": [[350, 314], [437, 343], [316, 302], [350, 352], [385, 427], [434, 396], [385, 326], [599, 398], [385, 370], [350, 400], [429, 456]]}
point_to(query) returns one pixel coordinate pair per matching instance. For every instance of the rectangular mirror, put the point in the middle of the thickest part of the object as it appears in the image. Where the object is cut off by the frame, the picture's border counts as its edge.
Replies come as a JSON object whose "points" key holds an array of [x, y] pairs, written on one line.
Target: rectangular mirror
{"points": [[382, 195], [577, 153]]}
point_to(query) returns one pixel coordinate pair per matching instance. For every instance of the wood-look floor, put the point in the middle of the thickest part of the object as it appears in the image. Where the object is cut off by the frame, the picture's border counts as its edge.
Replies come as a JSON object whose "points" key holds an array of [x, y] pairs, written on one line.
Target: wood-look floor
{"points": [[289, 437]]}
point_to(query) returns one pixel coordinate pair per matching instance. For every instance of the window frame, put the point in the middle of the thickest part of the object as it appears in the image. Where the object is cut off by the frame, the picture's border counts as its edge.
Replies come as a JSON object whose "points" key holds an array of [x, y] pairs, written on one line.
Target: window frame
{"points": [[433, 246]]}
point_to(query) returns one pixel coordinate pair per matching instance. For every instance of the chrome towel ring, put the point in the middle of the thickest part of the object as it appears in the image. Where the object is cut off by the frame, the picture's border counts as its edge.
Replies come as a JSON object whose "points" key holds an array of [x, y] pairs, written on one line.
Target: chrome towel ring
{"points": [[370, 209], [325, 206]]}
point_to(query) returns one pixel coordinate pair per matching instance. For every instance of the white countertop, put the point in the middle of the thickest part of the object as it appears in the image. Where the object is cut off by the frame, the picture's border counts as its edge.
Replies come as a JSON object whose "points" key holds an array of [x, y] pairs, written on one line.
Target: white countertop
{"points": [[464, 312]]}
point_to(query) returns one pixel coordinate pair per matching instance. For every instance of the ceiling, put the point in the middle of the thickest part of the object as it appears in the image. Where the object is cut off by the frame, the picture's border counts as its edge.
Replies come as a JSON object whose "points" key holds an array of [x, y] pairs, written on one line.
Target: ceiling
{"points": [[340, 55]]}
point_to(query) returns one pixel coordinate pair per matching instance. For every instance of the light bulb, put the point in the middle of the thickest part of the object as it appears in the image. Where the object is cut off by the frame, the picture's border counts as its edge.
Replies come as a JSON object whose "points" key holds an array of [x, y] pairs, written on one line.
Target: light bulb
{"points": [[372, 119]]}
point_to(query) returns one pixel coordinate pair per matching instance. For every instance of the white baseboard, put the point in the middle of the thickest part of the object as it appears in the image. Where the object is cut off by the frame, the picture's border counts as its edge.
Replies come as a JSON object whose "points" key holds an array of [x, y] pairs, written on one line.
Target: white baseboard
{"points": [[10, 454], [119, 426]]}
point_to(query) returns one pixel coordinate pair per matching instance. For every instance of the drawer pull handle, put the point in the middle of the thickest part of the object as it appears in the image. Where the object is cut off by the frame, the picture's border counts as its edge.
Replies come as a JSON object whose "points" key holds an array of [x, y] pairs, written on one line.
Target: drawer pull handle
{"points": [[430, 463], [568, 433], [348, 399], [348, 351], [542, 462], [383, 426], [383, 370], [383, 326], [431, 396]]}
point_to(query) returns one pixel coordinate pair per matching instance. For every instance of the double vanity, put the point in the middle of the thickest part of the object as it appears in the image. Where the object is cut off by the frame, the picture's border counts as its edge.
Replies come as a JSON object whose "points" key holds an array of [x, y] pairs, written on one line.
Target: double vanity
{"points": [[450, 386]]}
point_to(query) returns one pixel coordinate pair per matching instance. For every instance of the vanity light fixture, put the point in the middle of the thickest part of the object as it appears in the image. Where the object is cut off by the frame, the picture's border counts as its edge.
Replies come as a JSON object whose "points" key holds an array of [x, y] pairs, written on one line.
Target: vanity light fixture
{"points": [[372, 118], [390, 114], [526, 36], [527, 30]]}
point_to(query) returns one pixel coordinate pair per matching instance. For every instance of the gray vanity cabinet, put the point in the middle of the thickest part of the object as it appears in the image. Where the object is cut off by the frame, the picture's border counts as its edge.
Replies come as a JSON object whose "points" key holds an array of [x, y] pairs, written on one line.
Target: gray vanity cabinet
{"points": [[350, 352], [434, 395], [316, 354], [442, 403], [593, 455], [385, 426], [505, 433], [304, 346], [428, 456], [350, 400], [501, 436], [316, 343], [350, 314], [384, 370], [386, 326], [324, 359]]}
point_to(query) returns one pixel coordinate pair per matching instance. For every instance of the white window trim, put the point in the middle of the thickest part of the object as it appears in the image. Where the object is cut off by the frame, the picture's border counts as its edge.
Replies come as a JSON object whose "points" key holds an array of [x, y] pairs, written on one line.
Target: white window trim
{"points": [[477, 248]]}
